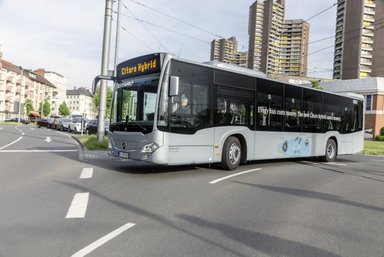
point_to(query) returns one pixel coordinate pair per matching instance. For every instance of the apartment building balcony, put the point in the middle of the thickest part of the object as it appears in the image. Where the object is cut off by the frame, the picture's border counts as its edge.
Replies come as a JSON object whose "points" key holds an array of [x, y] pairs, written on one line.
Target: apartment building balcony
{"points": [[369, 3], [9, 98], [366, 68], [369, 18], [3, 77], [9, 88], [11, 79]]}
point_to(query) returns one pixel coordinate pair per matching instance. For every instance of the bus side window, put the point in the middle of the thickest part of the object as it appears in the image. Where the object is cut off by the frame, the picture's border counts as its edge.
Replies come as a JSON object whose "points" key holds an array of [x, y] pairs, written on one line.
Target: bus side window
{"points": [[312, 102], [269, 105]]}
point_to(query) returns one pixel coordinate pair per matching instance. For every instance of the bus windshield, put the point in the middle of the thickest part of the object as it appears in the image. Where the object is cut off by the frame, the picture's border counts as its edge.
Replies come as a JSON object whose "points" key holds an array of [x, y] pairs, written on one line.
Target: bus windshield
{"points": [[134, 104]]}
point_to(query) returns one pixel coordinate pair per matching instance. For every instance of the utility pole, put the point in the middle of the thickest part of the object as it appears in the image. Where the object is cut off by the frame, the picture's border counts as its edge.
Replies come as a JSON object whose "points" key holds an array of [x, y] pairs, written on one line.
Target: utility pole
{"points": [[117, 41], [104, 69], [21, 87]]}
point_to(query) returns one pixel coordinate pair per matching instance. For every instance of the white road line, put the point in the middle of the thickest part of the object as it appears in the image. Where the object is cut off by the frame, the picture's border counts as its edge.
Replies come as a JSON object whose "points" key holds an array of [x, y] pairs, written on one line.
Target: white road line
{"points": [[78, 206], [36, 151], [233, 175], [86, 173], [335, 163], [103, 240], [14, 142]]}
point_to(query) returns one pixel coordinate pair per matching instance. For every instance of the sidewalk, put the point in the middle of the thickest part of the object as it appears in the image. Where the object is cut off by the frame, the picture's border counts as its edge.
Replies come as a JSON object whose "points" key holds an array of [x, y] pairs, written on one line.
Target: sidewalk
{"points": [[95, 155], [85, 154]]}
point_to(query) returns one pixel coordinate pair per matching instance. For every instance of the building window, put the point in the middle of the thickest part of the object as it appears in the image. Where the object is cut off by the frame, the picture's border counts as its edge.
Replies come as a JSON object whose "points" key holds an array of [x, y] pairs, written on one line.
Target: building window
{"points": [[368, 100]]}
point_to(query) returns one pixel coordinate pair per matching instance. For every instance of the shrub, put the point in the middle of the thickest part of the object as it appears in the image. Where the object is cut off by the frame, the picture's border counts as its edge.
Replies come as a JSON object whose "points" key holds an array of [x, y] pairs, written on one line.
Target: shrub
{"points": [[382, 131], [379, 138]]}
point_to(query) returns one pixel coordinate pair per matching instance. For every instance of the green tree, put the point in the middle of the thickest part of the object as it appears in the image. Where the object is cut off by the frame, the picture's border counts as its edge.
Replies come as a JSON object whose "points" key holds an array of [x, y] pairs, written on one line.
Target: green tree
{"points": [[96, 100], [316, 84], [46, 108], [64, 110], [28, 106]]}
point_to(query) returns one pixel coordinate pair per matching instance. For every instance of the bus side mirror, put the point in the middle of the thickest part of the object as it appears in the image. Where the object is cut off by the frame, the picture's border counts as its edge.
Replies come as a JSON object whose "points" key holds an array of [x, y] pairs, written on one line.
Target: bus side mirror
{"points": [[174, 86], [98, 78]]}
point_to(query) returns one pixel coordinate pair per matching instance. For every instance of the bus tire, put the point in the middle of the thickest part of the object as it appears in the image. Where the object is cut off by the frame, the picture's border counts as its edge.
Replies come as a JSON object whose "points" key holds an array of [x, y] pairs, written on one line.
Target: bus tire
{"points": [[231, 156], [330, 151]]}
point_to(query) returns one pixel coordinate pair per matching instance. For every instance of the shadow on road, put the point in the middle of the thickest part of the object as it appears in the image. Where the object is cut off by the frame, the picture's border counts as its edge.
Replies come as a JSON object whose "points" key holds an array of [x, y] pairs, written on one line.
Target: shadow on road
{"points": [[313, 195]]}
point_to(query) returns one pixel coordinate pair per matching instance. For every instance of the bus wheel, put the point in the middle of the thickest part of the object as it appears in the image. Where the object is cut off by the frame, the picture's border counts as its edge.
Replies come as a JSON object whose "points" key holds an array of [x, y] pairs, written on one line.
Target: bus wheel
{"points": [[231, 153], [330, 151]]}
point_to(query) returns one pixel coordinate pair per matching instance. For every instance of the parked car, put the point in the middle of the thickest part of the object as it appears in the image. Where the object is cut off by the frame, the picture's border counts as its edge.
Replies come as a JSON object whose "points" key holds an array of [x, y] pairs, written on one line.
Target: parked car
{"points": [[22, 120], [56, 123], [77, 123], [63, 124], [49, 122], [42, 123], [91, 128]]}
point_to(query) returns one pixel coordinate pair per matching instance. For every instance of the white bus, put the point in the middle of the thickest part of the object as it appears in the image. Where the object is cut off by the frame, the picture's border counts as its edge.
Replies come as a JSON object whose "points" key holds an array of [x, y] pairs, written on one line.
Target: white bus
{"points": [[172, 111]]}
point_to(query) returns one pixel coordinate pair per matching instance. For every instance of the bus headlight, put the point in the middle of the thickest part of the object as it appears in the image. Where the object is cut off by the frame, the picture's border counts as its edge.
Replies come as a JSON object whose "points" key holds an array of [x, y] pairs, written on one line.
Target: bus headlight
{"points": [[150, 148]]}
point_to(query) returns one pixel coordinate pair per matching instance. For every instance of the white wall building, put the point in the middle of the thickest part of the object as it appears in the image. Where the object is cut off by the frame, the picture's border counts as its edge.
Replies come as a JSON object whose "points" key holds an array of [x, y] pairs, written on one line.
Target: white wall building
{"points": [[79, 101], [60, 93]]}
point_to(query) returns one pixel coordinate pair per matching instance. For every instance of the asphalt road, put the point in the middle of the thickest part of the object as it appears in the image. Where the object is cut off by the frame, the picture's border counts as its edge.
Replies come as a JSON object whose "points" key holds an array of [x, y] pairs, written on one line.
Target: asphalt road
{"points": [[53, 204]]}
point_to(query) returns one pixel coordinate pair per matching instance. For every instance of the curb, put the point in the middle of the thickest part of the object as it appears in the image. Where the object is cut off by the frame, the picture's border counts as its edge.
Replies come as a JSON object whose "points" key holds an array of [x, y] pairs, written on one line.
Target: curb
{"points": [[81, 148]]}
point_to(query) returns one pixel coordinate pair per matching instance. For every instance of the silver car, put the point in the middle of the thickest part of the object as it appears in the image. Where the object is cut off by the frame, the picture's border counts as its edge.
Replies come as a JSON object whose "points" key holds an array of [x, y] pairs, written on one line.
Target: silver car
{"points": [[77, 125]]}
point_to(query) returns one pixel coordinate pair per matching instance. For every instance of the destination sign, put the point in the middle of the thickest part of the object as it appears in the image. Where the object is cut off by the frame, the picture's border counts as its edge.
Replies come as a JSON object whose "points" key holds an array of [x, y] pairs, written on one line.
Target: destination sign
{"points": [[139, 66]]}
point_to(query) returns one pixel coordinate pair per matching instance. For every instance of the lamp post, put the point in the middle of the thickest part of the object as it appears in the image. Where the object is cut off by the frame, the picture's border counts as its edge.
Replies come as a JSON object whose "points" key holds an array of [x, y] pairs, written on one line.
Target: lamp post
{"points": [[104, 69], [21, 87]]}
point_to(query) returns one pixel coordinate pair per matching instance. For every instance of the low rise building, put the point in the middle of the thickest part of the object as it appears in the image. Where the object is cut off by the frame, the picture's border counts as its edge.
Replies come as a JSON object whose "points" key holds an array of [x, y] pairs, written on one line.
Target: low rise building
{"points": [[17, 86], [373, 91], [80, 102]]}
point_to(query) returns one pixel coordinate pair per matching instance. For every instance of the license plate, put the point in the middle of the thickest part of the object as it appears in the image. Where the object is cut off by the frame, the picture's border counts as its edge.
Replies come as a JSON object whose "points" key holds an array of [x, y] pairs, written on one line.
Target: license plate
{"points": [[124, 155]]}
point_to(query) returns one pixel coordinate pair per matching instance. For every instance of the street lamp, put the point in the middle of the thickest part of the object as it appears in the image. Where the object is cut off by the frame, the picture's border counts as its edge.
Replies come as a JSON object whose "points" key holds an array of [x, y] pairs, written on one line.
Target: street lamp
{"points": [[21, 87]]}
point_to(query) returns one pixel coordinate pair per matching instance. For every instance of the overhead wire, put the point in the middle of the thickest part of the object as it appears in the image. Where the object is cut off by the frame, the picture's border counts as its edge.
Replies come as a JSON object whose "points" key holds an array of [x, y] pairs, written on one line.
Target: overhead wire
{"points": [[177, 19], [167, 29], [146, 28]]}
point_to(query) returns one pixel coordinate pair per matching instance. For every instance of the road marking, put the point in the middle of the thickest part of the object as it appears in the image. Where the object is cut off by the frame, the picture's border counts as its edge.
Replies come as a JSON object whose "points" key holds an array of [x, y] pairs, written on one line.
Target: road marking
{"points": [[36, 151], [103, 240], [78, 206], [32, 129], [14, 142], [233, 175], [48, 139], [335, 163], [22, 133], [86, 173]]}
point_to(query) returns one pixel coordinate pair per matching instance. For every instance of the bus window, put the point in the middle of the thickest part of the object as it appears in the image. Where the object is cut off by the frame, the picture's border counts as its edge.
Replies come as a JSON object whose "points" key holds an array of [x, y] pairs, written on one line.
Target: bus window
{"points": [[333, 112], [348, 123], [269, 105], [312, 101], [231, 79], [234, 107], [359, 115], [292, 107], [189, 111]]}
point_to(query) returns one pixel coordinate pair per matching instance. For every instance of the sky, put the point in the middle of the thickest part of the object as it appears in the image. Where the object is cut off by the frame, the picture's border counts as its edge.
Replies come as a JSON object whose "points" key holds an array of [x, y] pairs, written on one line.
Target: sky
{"points": [[66, 36]]}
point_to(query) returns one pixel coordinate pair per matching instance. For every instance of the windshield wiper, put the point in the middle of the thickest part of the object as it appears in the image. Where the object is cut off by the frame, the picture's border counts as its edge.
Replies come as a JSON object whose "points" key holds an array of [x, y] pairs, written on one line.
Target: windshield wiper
{"points": [[134, 122]]}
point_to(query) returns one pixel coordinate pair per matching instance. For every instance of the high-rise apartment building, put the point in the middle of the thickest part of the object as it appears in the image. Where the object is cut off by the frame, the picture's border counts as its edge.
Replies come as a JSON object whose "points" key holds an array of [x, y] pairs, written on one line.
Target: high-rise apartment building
{"points": [[266, 20], [359, 39], [294, 48], [276, 46], [225, 50]]}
